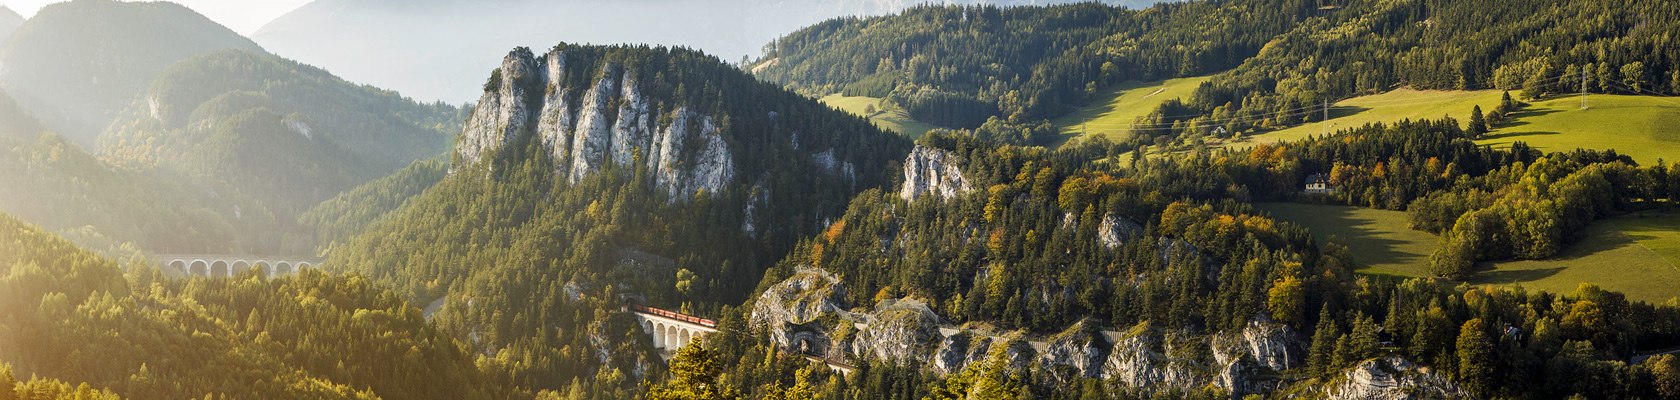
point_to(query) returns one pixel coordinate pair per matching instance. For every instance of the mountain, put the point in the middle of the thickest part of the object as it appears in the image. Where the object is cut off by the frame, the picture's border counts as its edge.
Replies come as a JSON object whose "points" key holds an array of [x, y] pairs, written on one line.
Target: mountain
{"points": [[56, 184], [277, 130], [588, 176], [76, 64], [9, 22], [343, 35]]}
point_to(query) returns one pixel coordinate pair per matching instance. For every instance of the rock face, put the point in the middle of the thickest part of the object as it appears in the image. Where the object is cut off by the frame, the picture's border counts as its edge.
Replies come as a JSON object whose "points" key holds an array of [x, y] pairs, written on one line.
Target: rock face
{"points": [[1394, 378], [902, 331], [788, 309], [806, 313], [611, 123], [1080, 350], [1116, 230], [1272, 345], [931, 171], [1140, 361]]}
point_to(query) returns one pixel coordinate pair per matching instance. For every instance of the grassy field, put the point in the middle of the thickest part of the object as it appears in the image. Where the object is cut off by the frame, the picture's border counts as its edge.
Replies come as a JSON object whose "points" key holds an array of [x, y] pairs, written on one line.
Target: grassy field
{"points": [[1127, 102], [895, 120], [1645, 127], [1389, 107], [1634, 254], [1379, 239], [1615, 255]]}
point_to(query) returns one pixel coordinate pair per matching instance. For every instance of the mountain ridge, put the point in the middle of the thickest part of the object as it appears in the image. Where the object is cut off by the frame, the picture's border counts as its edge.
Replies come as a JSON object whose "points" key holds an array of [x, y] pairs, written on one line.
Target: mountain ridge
{"points": [[74, 65]]}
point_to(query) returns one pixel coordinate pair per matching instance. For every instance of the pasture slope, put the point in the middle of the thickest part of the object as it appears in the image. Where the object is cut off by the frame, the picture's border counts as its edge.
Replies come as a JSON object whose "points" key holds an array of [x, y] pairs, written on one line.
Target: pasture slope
{"points": [[1636, 254]]}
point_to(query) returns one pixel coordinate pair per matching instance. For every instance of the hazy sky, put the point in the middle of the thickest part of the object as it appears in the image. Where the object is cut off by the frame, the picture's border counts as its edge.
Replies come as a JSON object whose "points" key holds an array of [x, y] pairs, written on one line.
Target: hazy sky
{"points": [[243, 16]]}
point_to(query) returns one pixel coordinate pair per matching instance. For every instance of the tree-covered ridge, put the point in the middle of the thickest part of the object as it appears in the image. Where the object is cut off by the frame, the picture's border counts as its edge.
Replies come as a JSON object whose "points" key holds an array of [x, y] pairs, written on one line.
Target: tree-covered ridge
{"points": [[1541, 47], [114, 210], [1050, 238], [277, 130], [958, 66], [68, 314]]}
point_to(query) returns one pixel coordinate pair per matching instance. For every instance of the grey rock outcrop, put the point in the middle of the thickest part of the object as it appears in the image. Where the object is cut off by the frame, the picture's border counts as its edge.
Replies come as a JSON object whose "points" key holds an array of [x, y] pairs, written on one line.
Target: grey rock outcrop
{"points": [[1116, 230], [1272, 345], [1393, 378], [1140, 361], [1080, 348], [688, 155], [501, 114], [787, 310], [931, 171], [899, 331]]}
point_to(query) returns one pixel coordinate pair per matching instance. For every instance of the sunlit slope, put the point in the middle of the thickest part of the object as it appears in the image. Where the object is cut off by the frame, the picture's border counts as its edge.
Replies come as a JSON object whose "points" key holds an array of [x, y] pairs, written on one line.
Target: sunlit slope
{"points": [[1644, 127], [1115, 117], [1634, 254], [893, 119]]}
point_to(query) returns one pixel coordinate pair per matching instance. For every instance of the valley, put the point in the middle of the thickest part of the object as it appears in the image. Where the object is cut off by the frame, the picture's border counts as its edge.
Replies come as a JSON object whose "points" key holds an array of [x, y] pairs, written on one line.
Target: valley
{"points": [[975, 200]]}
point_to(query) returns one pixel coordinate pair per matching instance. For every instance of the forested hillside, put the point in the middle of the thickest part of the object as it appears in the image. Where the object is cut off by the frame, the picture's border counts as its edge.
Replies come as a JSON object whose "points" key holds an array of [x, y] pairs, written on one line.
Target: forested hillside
{"points": [[1539, 47], [588, 177], [56, 184], [70, 315], [1281, 60], [958, 66], [1059, 247], [76, 64], [285, 133]]}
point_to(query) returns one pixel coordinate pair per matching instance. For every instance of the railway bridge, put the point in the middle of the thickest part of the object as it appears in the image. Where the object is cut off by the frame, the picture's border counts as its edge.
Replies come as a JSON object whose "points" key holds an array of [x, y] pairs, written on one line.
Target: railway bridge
{"points": [[228, 265]]}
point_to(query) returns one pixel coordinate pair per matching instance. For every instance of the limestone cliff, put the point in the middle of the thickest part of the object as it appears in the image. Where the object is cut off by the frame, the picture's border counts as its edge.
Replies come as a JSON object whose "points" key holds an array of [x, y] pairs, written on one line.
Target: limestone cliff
{"points": [[806, 313], [1393, 378], [614, 122], [931, 171]]}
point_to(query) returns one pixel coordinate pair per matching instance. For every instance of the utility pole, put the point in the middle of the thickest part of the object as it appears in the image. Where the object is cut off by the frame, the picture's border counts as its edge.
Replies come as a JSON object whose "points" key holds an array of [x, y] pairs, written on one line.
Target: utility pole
{"points": [[1583, 88], [1325, 124]]}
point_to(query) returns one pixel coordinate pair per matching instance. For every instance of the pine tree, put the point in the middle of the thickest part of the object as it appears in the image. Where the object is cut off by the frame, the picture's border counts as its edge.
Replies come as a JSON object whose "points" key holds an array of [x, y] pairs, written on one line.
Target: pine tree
{"points": [[1478, 124], [1320, 356]]}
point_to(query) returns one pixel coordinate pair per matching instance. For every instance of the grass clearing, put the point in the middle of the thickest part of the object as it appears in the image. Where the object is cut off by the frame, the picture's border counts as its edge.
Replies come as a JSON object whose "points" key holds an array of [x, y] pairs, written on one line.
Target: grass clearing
{"points": [[1609, 257], [1127, 102], [1633, 254], [1644, 127], [893, 120], [1379, 239], [1392, 106]]}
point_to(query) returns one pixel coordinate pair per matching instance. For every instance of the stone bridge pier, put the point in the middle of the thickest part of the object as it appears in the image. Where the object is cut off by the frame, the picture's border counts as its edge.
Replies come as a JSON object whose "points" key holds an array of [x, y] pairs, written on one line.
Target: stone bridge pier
{"points": [[671, 330]]}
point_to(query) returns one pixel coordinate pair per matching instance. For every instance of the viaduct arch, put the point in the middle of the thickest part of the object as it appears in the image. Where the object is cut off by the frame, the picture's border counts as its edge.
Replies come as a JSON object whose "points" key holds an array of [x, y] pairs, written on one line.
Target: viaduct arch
{"points": [[671, 330], [229, 265]]}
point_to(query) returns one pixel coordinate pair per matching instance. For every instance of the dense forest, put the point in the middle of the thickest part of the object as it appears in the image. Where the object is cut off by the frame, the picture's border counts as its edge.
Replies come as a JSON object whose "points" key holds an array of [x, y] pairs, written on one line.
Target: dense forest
{"points": [[69, 314]]}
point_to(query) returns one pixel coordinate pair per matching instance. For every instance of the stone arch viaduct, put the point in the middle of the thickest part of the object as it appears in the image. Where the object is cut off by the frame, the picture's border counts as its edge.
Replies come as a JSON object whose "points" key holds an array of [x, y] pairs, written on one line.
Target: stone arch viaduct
{"points": [[227, 265]]}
